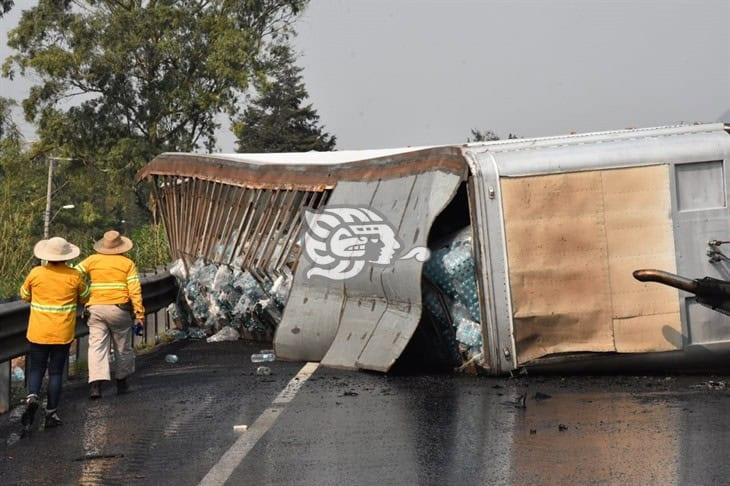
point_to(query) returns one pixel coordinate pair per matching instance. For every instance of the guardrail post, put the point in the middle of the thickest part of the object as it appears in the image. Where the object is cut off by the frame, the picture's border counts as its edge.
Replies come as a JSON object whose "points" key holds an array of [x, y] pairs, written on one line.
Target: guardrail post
{"points": [[5, 386], [82, 351], [149, 335]]}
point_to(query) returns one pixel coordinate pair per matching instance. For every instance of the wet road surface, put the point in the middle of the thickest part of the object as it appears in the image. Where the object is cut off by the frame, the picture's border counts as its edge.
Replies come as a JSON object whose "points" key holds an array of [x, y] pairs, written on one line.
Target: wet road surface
{"points": [[360, 428]]}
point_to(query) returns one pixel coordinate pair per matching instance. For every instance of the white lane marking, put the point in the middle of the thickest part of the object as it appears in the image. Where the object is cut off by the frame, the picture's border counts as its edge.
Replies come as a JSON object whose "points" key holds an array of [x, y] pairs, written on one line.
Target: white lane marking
{"points": [[223, 469]]}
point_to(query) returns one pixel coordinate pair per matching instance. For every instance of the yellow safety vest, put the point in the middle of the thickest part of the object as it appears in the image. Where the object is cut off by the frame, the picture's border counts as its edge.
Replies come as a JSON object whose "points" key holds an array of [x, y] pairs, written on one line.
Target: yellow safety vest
{"points": [[114, 280], [54, 291]]}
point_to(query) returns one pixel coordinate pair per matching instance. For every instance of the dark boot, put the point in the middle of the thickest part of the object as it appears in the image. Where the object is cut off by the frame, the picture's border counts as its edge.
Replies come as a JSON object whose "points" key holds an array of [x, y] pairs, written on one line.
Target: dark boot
{"points": [[95, 390], [52, 420], [31, 407], [122, 386]]}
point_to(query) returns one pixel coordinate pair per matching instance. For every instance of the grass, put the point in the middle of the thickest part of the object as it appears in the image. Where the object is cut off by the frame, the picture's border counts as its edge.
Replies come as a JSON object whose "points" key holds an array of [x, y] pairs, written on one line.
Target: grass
{"points": [[16, 246]]}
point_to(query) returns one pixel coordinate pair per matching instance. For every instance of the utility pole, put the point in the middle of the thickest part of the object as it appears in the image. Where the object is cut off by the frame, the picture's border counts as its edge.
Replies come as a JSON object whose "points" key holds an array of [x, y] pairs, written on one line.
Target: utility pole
{"points": [[49, 191], [49, 194]]}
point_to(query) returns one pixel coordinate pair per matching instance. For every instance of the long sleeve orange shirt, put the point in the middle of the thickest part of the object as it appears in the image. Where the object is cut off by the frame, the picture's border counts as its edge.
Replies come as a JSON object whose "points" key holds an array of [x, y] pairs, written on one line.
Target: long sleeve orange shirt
{"points": [[114, 280], [53, 292]]}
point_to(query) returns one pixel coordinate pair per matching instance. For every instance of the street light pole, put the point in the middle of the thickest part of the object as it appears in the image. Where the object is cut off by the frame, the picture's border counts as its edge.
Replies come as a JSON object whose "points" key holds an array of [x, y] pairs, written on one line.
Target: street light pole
{"points": [[49, 193]]}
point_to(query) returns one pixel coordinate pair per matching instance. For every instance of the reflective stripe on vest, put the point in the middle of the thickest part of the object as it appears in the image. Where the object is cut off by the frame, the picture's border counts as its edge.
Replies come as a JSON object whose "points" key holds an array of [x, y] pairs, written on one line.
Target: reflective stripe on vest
{"points": [[54, 309], [109, 285]]}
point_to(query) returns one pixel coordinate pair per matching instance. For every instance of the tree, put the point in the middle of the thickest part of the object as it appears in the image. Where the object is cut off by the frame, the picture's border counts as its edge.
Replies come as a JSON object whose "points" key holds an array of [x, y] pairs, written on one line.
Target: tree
{"points": [[5, 6], [20, 207], [8, 128], [486, 136], [277, 118], [123, 80], [482, 136]]}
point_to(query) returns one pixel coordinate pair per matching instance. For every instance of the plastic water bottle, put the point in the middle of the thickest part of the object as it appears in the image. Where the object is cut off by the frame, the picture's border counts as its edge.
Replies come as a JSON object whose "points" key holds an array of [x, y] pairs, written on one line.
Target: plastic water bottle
{"points": [[266, 355], [171, 358], [263, 371], [18, 374]]}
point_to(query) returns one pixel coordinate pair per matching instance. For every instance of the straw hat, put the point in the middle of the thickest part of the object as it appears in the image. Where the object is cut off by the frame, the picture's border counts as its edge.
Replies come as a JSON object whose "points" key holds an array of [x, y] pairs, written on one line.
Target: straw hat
{"points": [[113, 244], [55, 249]]}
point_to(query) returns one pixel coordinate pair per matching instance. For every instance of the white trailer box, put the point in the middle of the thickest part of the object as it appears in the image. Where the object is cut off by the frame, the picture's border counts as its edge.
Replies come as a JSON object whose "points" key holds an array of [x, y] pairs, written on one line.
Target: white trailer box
{"points": [[558, 226]]}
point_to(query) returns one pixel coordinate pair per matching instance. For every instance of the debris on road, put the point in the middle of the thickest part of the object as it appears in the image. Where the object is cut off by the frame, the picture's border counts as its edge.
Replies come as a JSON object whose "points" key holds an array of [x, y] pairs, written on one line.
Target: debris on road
{"points": [[521, 401], [171, 358], [18, 374], [264, 356], [227, 333], [196, 333], [240, 428], [263, 371], [542, 396], [174, 334], [92, 457], [350, 394], [711, 385], [219, 295], [562, 427], [12, 439]]}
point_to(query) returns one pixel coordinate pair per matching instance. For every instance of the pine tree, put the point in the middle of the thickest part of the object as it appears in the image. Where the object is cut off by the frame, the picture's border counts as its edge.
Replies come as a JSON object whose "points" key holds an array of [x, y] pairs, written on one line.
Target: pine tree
{"points": [[277, 118]]}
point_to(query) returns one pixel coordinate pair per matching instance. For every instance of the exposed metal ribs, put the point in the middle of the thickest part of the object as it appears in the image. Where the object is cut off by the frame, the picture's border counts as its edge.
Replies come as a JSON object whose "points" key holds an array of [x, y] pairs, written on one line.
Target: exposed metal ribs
{"points": [[250, 228]]}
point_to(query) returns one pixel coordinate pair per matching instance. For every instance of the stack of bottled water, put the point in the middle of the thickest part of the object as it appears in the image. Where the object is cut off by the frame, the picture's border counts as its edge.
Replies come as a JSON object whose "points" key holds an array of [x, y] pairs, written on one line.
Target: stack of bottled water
{"points": [[218, 295], [451, 268]]}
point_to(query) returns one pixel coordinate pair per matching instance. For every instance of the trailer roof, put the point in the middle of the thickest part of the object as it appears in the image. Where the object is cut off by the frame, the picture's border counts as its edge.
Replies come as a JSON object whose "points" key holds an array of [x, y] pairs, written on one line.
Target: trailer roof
{"points": [[588, 151], [324, 169]]}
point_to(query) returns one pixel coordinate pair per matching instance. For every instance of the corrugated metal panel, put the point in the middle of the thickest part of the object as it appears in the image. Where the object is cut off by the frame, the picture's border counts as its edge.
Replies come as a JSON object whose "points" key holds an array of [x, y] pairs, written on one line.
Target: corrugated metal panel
{"points": [[366, 321]]}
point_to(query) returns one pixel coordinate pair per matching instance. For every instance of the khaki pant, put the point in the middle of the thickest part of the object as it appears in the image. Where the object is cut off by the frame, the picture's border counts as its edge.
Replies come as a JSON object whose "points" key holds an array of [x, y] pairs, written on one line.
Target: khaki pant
{"points": [[110, 326]]}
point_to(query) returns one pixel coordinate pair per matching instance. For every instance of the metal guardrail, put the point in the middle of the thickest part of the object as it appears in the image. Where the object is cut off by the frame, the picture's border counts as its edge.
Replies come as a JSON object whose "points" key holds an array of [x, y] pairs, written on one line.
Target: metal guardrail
{"points": [[158, 291]]}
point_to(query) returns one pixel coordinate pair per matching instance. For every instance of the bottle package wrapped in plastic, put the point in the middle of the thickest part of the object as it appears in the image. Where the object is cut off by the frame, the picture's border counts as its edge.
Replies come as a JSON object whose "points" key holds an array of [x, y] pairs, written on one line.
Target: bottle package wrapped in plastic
{"points": [[227, 333], [177, 270], [196, 298], [219, 295], [452, 269], [468, 331]]}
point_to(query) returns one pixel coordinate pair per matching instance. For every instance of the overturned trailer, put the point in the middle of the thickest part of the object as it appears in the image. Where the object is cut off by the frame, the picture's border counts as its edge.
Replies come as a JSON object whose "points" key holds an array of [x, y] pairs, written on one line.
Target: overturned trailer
{"points": [[557, 226]]}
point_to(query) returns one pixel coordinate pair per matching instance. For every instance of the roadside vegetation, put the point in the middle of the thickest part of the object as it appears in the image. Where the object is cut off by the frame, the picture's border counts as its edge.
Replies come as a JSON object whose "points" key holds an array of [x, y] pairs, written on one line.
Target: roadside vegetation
{"points": [[117, 83]]}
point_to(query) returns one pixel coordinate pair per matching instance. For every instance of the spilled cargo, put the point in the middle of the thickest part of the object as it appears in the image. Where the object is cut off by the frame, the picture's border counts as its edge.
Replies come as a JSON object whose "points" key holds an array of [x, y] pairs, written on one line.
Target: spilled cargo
{"points": [[507, 254]]}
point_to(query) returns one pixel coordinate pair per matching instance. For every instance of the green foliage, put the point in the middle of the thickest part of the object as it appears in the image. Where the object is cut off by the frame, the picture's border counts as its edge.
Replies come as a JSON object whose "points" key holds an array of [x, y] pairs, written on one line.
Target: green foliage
{"points": [[122, 81], [482, 136], [20, 208], [150, 247], [118, 83], [5, 6], [486, 136], [277, 119], [23, 179]]}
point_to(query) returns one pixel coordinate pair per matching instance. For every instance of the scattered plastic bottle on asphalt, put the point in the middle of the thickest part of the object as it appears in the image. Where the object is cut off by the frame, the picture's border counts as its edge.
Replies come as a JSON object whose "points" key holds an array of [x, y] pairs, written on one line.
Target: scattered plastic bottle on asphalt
{"points": [[266, 355], [263, 371], [18, 374], [171, 358]]}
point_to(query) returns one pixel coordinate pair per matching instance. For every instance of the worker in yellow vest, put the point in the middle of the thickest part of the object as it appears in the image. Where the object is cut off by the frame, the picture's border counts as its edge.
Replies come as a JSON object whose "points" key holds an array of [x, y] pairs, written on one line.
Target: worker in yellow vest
{"points": [[114, 306], [54, 291]]}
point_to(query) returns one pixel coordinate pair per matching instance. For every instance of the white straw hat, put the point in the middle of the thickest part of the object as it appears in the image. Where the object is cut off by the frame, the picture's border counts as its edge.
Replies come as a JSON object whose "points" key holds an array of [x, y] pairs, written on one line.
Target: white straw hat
{"points": [[113, 244], [55, 249]]}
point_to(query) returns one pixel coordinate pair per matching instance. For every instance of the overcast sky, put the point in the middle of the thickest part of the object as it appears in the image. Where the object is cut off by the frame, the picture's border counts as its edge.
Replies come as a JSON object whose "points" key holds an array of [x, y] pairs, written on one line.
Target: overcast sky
{"points": [[387, 73]]}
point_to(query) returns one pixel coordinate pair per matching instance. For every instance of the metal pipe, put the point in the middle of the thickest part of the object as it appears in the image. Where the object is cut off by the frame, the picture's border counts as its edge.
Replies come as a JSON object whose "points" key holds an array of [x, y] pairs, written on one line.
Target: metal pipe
{"points": [[666, 278]]}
